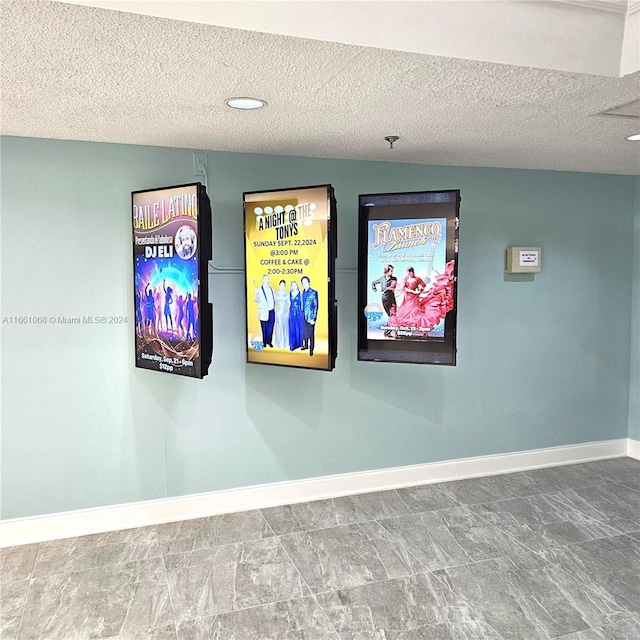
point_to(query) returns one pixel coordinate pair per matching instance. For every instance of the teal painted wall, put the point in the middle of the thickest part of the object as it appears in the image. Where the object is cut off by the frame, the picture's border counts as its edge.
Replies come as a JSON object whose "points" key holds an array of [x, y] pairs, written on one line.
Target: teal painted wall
{"points": [[634, 378], [543, 361]]}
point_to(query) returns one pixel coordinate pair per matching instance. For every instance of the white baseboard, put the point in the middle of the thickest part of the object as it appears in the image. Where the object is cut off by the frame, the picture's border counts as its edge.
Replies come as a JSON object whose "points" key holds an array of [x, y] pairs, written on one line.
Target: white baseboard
{"points": [[126, 516], [633, 448]]}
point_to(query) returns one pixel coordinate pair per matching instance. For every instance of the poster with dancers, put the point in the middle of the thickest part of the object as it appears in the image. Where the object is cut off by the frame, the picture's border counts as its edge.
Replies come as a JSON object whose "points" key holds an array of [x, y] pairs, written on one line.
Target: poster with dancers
{"points": [[407, 277], [290, 252], [171, 248]]}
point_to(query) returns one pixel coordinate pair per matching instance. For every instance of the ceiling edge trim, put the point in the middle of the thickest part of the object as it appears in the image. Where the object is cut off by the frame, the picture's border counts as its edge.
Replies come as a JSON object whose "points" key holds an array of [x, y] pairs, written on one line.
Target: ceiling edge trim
{"points": [[608, 6], [634, 7]]}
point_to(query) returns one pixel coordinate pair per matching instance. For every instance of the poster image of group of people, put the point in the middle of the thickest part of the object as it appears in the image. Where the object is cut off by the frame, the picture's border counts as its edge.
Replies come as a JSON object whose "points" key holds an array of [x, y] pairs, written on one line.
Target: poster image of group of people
{"points": [[287, 261], [166, 272], [166, 301], [411, 283], [287, 315]]}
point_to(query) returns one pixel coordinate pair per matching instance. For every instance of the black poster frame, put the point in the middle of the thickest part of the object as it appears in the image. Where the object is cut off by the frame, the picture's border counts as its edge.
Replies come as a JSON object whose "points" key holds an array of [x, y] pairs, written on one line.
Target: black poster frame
{"points": [[330, 304], [172, 354], [402, 343]]}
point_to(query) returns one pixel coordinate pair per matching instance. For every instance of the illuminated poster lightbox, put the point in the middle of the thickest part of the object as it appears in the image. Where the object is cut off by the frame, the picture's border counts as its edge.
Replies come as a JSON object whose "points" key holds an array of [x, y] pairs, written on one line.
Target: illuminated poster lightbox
{"points": [[290, 252], [407, 277], [171, 249]]}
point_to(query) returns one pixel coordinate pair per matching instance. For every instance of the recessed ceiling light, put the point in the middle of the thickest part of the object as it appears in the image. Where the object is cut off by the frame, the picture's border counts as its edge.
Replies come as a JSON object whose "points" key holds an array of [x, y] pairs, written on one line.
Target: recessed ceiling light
{"points": [[634, 137], [245, 103]]}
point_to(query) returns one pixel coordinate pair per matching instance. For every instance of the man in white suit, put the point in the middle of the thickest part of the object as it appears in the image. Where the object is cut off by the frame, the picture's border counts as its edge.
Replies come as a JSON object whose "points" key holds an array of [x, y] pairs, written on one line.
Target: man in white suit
{"points": [[266, 301]]}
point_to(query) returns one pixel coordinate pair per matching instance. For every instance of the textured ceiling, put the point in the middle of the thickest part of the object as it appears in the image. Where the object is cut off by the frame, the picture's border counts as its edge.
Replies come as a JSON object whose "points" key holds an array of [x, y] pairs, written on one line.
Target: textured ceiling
{"points": [[82, 73], [587, 36]]}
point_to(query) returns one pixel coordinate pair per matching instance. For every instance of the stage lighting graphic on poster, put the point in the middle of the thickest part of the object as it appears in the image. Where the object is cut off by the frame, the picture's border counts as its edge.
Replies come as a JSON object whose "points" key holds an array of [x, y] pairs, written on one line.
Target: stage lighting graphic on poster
{"points": [[289, 263], [171, 306], [411, 282]]}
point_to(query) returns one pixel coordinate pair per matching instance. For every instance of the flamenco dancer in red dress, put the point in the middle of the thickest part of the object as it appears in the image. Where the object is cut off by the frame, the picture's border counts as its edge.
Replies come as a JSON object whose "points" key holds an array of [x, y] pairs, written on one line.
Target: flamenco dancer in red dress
{"points": [[424, 308]]}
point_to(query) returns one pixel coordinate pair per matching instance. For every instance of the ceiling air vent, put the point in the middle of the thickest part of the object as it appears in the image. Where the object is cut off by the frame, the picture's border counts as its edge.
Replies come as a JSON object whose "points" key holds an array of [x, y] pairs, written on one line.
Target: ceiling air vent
{"points": [[627, 110]]}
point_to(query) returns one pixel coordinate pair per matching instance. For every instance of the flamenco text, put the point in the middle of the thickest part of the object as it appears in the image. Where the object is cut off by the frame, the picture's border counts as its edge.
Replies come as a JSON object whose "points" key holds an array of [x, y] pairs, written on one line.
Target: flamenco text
{"points": [[284, 222], [411, 235], [150, 216]]}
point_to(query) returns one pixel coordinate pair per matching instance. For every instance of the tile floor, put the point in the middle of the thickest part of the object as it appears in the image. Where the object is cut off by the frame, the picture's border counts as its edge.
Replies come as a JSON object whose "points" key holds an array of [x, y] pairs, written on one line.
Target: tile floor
{"points": [[550, 553]]}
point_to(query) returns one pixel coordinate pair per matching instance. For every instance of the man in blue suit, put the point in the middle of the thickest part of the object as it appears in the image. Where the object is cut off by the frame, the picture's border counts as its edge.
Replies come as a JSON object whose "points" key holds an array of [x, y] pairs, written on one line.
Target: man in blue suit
{"points": [[310, 312]]}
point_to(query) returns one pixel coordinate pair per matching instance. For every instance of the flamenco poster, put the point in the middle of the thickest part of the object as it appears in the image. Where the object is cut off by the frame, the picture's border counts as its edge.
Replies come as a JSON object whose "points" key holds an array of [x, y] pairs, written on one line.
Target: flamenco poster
{"points": [[407, 297], [171, 247], [289, 259]]}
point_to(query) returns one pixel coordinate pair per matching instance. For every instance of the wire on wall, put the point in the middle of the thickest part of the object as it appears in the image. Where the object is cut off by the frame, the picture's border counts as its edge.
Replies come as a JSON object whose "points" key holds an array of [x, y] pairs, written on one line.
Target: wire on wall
{"points": [[203, 170], [213, 269]]}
